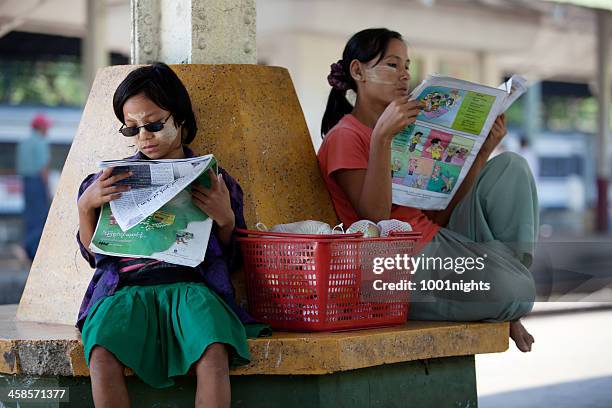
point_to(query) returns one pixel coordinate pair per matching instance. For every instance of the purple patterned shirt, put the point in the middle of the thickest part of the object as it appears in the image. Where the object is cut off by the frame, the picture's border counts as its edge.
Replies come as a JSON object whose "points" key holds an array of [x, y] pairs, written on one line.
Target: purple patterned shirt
{"points": [[220, 259]]}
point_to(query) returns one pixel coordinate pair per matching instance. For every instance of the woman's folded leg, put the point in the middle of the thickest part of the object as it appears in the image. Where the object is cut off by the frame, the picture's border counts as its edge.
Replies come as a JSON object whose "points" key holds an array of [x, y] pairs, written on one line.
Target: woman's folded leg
{"points": [[497, 223]]}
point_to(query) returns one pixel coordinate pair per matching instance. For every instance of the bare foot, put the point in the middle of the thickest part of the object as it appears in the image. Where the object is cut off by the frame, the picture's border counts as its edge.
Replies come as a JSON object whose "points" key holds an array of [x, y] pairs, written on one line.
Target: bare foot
{"points": [[521, 336]]}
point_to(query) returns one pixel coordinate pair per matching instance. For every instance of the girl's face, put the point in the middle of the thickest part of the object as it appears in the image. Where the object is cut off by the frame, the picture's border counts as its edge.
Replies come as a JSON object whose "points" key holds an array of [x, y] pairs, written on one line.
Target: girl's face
{"points": [[388, 79], [164, 144]]}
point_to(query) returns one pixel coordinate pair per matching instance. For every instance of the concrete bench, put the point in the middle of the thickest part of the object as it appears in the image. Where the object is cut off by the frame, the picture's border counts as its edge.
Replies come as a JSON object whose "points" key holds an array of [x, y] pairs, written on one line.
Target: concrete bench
{"points": [[249, 116], [398, 364]]}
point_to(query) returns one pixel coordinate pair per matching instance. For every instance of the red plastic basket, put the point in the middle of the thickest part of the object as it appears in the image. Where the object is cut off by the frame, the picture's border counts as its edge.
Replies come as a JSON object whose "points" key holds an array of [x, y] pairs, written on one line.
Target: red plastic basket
{"points": [[313, 282]]}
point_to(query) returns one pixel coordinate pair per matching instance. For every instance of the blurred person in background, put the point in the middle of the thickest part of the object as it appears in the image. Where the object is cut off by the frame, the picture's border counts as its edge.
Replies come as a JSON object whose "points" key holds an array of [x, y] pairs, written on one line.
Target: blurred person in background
{"points": [[527, 152], [33, 157]]}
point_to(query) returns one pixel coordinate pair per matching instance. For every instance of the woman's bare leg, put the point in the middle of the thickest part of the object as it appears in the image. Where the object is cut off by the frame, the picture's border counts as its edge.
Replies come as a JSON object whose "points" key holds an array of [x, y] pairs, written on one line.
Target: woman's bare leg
{"points": [[107, 380], [212, 370]]}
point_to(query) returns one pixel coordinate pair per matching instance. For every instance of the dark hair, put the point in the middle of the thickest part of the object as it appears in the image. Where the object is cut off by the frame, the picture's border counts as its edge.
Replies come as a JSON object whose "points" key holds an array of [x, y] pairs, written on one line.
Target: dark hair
{"points": [[435, 140], [162, 86], [363, 46]]}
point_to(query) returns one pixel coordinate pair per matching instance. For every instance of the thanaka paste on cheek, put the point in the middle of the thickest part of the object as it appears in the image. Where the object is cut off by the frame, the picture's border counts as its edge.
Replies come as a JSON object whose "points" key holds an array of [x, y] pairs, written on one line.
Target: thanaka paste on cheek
{"points": [[169, 132], [381, 75]]}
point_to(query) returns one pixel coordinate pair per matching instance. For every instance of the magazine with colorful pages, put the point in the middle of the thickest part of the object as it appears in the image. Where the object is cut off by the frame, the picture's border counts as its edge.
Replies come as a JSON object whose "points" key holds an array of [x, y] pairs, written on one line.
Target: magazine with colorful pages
{"points": [[430, 158]]}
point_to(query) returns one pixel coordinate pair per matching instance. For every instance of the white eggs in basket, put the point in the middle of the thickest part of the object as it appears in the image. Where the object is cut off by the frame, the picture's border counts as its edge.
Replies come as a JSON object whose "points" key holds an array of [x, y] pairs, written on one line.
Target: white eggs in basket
{"points": [[382, 229], [367, 227], [387, 226], [303, 227]]}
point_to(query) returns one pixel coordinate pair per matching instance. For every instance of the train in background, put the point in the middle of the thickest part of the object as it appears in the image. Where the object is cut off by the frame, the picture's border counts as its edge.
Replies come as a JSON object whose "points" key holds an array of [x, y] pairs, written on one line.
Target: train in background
{"points": [[566, 176], [565, 179]]}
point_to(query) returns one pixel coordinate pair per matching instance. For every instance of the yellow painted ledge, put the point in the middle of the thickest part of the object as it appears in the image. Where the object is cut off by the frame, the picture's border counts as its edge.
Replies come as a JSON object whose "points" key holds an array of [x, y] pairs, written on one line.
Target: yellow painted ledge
{"points": [[52, 349]]}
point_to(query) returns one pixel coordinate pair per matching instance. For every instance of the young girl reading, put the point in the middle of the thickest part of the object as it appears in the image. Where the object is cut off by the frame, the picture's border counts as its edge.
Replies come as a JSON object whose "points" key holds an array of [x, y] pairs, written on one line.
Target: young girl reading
{"points": [[493, 215], [157, 318]]}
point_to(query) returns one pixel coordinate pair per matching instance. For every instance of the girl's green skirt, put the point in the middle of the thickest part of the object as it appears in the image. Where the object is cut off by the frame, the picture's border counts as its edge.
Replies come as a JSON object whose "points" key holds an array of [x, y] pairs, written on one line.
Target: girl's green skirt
{"points": [[159, 331]]}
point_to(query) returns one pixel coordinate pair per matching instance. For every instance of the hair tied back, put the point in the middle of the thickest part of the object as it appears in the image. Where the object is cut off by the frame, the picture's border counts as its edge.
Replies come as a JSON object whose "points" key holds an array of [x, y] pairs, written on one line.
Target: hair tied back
{"points": [[337, 78]]}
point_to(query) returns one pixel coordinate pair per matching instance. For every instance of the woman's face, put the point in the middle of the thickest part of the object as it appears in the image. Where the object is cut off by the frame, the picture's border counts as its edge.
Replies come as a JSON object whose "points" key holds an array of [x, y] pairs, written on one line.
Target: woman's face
{"points": [[388, 79], [164, 144]]}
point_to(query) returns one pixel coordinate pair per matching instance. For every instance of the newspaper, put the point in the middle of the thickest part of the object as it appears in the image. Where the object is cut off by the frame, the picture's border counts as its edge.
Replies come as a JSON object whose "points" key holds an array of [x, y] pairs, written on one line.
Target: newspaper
{"points": [[156, 218], [153, 184], [430, 158]]}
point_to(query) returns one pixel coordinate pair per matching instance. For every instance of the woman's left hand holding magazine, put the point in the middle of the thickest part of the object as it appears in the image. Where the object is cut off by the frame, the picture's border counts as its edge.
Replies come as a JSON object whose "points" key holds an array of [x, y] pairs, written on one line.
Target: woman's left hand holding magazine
{"points": [[215, 202], [497, 133]]}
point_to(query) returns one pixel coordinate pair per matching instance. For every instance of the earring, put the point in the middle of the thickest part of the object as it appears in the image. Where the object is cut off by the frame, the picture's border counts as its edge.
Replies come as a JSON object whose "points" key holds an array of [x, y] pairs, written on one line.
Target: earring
{"points": [[351, 97]]}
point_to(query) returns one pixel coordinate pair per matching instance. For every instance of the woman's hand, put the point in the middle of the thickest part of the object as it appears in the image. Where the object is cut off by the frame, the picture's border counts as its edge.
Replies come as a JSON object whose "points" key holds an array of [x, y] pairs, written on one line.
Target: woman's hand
{"points": [[103, 190], [397, 116], [497, 133], [215, 201], [369, 190]]}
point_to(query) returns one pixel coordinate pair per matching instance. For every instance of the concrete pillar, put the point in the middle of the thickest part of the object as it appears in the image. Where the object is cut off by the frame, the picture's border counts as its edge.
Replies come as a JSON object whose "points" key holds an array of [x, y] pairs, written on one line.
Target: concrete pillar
{"points": [[431, 63], [94, 51], [194, 31], [533, 119], [488, 72], [603, 121]]}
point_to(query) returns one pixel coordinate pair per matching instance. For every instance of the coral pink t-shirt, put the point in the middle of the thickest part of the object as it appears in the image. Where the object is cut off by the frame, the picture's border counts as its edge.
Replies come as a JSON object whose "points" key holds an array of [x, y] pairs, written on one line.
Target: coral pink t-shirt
{"points": [[347, 146]]}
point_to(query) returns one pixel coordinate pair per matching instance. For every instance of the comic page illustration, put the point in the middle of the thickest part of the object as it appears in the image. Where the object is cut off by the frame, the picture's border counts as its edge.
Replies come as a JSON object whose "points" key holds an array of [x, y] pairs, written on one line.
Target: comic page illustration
{"points": [[430, 158]]}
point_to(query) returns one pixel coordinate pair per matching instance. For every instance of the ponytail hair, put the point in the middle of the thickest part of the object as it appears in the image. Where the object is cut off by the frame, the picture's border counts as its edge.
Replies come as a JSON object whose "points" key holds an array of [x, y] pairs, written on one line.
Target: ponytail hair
{"points": [[363, 46], [337, 107]]}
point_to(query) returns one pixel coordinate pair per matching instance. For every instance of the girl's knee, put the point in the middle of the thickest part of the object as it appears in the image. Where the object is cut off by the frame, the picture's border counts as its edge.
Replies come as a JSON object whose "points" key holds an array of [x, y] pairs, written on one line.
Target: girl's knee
{"points": [[511, 161], [508, 176], [216, 351], [215, 358], [101, 357]]}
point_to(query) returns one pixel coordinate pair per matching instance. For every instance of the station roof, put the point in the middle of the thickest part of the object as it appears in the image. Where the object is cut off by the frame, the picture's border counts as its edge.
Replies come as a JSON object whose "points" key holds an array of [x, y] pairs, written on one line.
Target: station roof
{"points": [[595, 4]]}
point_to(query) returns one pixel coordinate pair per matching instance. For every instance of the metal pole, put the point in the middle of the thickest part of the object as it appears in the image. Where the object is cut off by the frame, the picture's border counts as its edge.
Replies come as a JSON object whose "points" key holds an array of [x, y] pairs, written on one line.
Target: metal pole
{"points": [[603, 122], [533, 102]]}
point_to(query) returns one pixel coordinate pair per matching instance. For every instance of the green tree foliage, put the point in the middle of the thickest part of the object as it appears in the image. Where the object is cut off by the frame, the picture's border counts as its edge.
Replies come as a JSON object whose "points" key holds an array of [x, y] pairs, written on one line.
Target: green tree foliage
{"points": [[570, 114], [48, 83], [559, 113]]}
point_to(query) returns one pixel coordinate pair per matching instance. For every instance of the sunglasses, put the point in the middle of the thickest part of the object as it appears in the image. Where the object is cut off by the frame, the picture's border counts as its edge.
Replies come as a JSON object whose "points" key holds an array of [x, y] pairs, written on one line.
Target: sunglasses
{"points": [[149, 127]]}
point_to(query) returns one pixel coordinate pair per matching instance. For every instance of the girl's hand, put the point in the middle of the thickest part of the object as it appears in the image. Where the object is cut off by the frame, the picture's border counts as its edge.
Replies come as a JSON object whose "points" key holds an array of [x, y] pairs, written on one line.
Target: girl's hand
{"points": [[215, 202], [399, 114], [497, 133], [103, 190]]}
